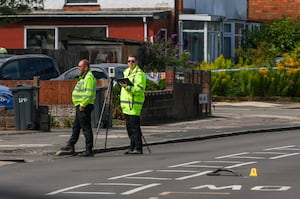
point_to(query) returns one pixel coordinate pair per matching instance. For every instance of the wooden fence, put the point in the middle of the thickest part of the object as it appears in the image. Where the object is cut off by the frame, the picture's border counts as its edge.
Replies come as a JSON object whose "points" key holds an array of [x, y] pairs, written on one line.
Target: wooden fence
{"points": [[51, 92]]}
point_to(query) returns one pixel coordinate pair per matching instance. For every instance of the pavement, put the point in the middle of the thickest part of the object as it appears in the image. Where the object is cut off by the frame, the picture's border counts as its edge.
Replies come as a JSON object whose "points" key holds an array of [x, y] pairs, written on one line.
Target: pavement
{"points": [[227, 119]]}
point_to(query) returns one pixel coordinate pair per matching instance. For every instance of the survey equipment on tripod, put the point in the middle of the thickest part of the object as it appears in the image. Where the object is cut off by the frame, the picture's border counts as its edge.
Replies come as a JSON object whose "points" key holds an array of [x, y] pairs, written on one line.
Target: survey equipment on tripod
{"points": [[111, 72], [107, 104]]}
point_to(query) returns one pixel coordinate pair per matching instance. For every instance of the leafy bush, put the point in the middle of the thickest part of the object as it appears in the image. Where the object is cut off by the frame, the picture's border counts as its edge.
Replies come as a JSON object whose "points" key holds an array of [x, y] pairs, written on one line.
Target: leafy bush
{"points": [[155, 56]]}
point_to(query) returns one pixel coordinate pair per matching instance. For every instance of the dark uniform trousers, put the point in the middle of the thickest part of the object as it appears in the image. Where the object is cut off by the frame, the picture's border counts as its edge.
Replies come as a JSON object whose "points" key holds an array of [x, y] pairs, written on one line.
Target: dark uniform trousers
{"points": [[83, 121], [134, 132]]}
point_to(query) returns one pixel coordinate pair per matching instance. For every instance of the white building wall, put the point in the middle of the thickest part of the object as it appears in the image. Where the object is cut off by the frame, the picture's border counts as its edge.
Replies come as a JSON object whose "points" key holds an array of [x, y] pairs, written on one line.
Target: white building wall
{"points": [[53, 4], [118, 4]]}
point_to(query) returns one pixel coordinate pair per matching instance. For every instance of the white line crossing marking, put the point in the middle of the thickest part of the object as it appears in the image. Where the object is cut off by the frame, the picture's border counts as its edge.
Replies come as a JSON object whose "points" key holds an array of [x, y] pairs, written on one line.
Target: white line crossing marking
{"points": [[89, 193], [231, 155], [140, 189], [68, 188], [282, 148], [207, 166], [195, 175], [131, 174], [184, 164], [222, 161], [269, 152], [239, 155], [148, 178], [239, 165], [118, 184], [283, 156], [178, 171]]}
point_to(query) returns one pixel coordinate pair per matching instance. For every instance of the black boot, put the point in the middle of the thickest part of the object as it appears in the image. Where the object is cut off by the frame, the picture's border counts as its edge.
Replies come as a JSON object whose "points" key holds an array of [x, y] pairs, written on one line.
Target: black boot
{"points": [[87, 153], [69, 148]]}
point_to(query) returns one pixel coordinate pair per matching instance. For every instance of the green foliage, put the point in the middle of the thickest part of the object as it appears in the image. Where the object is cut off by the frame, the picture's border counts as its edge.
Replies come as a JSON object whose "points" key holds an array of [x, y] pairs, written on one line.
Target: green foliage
{"points": [[53, 122], [11, 7], [219, 63], [21, 5], [261, 46], [67, 123], [155, 56]]}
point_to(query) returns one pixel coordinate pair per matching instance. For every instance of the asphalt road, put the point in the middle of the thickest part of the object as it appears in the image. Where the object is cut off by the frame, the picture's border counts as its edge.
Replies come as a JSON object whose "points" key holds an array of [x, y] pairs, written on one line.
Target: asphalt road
{"points": [[171, 171]]}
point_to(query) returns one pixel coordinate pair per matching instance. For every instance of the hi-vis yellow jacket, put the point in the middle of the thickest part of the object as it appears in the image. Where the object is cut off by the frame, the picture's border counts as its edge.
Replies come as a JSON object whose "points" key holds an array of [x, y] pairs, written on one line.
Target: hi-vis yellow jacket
{"points": [[84, 92], [133, 97]]}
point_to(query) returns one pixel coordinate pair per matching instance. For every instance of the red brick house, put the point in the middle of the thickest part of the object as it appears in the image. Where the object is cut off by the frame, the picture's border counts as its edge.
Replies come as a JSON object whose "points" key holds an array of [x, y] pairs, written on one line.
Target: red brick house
{"points": [[264, 11], [206, 28], [88, 24]]}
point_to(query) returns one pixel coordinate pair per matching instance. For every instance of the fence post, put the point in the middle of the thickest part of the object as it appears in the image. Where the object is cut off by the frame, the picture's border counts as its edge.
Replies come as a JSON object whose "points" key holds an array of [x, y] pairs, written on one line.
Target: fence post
{"points": [[170, 77]]}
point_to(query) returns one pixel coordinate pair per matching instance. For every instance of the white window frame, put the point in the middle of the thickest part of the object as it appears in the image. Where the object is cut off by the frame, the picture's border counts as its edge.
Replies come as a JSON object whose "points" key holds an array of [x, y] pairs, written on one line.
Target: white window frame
{"points": [[230, 34]]}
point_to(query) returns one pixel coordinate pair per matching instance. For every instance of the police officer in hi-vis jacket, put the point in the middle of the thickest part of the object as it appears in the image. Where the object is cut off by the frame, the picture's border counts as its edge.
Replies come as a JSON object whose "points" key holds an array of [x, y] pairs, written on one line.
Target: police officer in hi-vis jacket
{"points": [[83, 97], [132, 98]]}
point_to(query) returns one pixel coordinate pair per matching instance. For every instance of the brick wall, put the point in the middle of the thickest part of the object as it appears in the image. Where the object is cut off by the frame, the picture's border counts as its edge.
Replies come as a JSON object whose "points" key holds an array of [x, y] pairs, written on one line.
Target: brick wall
{"points": [[6, 119], [267, 10]]}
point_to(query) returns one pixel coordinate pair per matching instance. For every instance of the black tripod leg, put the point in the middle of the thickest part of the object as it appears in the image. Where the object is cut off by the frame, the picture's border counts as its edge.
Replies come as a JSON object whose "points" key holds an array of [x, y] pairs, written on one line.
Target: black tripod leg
{"points": [[146, 144], [109, 118]]}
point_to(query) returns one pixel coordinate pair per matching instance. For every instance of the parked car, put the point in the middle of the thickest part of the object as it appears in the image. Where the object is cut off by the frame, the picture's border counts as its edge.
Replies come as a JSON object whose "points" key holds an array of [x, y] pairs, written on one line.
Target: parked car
{"points": [[25, 67], [100, 71], [6, 97], [3, 50]]}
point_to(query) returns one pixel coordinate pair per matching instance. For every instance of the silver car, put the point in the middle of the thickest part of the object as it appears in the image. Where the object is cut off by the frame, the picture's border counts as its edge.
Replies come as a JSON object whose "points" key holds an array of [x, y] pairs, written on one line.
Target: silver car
{"points": [[100, 71]]}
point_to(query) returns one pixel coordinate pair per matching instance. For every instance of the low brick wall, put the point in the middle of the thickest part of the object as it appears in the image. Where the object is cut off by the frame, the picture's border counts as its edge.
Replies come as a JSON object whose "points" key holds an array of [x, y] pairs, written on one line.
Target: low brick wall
{"points": [[159, 107], [7, 120]]}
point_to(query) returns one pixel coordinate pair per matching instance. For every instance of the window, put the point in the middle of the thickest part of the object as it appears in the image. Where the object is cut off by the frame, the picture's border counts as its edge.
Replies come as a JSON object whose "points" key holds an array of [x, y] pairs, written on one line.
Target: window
{"points": [[60, 37], [11, 71], [40, 38], [81, 1], [163, 34], [193, 25], [37, 67]]}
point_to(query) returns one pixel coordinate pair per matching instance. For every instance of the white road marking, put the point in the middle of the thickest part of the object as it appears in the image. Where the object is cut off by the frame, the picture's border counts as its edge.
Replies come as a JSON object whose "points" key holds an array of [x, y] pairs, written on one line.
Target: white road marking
{"points": [[131, 174], [231, 155], [239, 165], [283, 156], [184, 164], [67, 189], [222, 161], [193, 176], [118, 184], [140, 189], [148, 178], [178, 171], [89, 193], [281, 148]]}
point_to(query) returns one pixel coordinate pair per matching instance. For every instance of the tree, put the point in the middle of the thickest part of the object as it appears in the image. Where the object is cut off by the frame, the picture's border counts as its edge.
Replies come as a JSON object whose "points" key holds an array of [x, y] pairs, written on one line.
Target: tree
{"points": [[14, 6], [283, 34], [11, 7], [272, 40]]}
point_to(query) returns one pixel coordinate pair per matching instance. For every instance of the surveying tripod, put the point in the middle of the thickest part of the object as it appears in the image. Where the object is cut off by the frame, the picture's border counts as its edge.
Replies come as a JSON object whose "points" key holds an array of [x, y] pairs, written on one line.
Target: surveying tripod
{"points": [[108, 98]]}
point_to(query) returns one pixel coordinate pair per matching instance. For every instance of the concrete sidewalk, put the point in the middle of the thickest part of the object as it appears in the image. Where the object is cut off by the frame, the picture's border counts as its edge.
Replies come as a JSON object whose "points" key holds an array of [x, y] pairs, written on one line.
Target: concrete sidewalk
{"points": [[227, 119]]}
